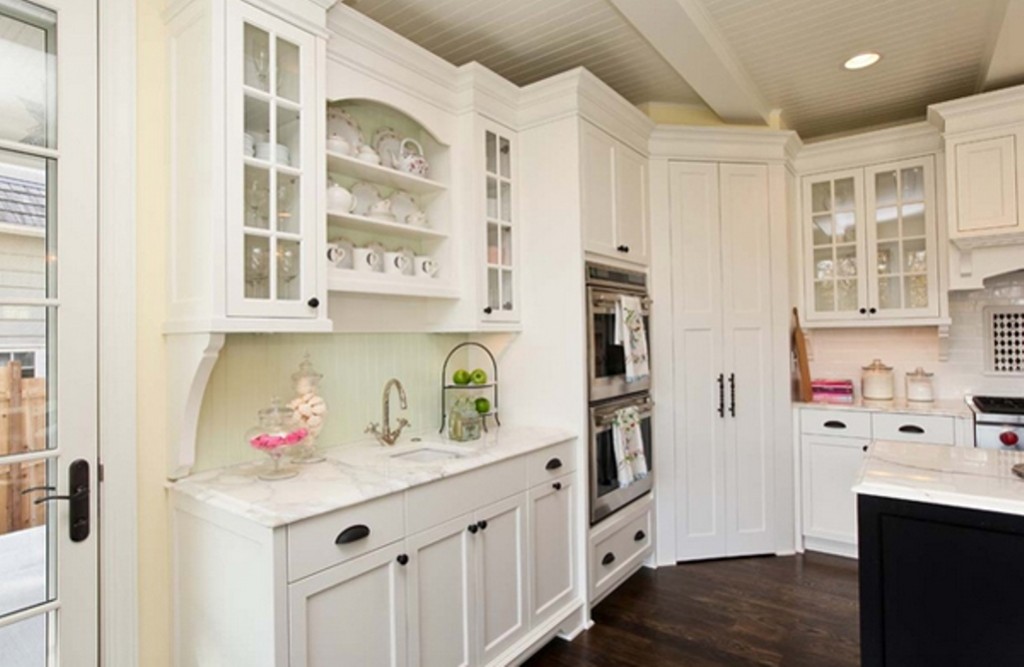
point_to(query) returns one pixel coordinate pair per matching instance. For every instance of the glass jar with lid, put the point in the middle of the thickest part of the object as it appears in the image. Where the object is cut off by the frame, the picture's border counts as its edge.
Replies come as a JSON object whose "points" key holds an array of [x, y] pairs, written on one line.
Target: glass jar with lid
{"points": [[919, 386], [310, 411], [876, 382], [277, 431]]}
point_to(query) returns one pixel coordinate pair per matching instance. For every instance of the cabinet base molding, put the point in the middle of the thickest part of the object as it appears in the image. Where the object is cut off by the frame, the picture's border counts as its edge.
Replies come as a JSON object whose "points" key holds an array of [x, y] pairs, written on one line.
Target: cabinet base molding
{"points": [[832, 547], [566, 625]]}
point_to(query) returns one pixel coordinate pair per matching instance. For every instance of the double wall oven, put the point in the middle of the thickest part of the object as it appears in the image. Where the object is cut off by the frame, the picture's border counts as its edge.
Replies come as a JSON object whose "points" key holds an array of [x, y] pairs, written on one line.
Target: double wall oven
{"points": [[609, 389]]}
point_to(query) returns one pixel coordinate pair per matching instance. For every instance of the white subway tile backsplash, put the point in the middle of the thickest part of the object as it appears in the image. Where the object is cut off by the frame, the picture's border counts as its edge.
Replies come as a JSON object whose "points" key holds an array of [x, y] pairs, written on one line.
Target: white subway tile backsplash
{"points": [[839, 353]]}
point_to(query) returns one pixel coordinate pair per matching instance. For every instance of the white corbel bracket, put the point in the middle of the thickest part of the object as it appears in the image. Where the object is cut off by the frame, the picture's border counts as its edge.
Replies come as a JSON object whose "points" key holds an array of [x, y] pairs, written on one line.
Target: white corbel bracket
{"points": [[943, 332], [190, 361]]}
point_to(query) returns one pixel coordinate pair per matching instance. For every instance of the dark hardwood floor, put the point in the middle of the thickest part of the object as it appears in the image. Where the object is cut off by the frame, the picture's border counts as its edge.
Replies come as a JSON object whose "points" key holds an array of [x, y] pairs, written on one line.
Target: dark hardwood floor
{"points": [[797, 611]]}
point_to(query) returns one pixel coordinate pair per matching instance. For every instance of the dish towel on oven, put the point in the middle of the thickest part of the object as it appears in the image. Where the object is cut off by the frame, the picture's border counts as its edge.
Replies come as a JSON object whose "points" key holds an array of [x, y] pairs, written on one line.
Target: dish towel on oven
{"points": [[628, 442], [630, 334]]}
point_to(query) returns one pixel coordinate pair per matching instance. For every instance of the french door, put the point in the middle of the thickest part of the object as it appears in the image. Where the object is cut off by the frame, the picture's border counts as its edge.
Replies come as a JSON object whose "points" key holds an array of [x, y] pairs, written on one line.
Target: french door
{"points": [[48, 339]]}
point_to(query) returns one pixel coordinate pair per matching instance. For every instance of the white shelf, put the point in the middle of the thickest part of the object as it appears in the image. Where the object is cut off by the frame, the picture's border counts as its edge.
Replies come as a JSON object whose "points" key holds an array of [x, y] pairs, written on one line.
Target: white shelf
{"points": [[373, 225], [350, 166], [358, 282]]}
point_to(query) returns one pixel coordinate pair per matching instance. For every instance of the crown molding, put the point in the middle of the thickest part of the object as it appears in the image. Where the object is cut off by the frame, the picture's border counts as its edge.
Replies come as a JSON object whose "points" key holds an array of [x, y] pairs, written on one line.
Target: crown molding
{"points": [[741, 144], [891, 143], [480, 90], [983, 111], [579, 93]]}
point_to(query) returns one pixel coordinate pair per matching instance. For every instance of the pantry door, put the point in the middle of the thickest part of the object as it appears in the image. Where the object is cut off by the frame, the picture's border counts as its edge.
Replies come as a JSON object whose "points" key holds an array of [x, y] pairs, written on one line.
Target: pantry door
{"points": [[48, 334]]}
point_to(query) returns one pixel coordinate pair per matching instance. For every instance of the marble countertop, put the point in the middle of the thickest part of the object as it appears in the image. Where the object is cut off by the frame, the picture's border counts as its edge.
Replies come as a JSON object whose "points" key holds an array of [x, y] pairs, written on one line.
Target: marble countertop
{"points": [[966, 477], [941, 407], [354, 473]]}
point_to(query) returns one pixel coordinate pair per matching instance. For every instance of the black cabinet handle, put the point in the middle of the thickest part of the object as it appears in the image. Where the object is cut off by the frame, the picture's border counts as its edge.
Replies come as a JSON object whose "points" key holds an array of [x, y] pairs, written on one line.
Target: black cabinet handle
{"points": [[553, 464], [488, 310], [721, 395], [864, 448], [863, 311], [352, 534], [640, 535], [622, 248], [608, 559], [732, 394], [832, 423], [557, 486], [78, 500], [911, 428], [482, 524], [872, 311], [473, 528], [314, 302], [402, 559]]}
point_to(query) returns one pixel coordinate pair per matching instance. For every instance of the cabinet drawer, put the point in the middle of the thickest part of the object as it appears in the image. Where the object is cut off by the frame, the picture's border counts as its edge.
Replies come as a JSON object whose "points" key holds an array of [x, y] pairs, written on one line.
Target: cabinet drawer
{"points": [[435, 503], [930, 429], [847, 423], [323, 541], [619, 552], [550, 463]]}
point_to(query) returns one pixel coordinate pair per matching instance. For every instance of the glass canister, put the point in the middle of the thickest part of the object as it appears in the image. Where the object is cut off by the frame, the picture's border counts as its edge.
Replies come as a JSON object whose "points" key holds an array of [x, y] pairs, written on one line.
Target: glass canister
{"points": [[277, 431], [919, 386], [876, 382], [464, 422], [310, 410]]}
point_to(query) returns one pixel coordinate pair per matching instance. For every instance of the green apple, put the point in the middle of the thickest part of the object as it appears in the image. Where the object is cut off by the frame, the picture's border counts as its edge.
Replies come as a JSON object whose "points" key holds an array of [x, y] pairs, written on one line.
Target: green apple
{"points": [[461, 376], [482, 405], [478, 376]]}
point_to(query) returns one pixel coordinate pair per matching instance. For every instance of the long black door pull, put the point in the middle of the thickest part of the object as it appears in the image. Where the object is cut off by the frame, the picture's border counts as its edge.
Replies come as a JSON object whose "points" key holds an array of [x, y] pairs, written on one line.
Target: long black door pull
{"points": [[721, 396], [78, 500], [732, 394]]}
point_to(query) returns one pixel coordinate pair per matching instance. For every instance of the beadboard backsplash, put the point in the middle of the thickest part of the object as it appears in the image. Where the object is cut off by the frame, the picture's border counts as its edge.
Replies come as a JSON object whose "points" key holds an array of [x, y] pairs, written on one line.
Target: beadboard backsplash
{"points": [[839, 353], [253, 369]]}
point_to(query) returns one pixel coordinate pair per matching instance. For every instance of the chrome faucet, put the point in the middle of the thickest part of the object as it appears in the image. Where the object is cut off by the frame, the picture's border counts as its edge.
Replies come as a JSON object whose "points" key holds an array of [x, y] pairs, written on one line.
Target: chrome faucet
{"points": [[387, 436]]}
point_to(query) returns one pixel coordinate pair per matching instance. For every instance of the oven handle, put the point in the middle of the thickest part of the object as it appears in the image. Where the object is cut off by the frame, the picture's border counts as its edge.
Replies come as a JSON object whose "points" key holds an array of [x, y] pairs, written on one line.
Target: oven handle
{"points": [[603, 298], [606, 418]]}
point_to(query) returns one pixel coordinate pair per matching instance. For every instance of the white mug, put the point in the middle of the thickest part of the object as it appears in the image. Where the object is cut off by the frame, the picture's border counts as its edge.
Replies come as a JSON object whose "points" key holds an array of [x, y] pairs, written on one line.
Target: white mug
{"points": [[426, 266], [336, 255], [365, 259], [395, 262]]}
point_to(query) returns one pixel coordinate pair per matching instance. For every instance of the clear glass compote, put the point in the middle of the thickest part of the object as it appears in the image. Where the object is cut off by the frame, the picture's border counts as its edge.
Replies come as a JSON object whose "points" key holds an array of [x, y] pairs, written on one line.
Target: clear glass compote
{"points": [[310, 410], [277, 432]]}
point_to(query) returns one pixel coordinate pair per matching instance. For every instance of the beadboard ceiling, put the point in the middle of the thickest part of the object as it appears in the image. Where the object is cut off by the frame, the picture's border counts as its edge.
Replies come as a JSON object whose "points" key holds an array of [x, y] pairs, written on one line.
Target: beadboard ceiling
{"points": [[793, 50], [787, 53], [529, 40]]}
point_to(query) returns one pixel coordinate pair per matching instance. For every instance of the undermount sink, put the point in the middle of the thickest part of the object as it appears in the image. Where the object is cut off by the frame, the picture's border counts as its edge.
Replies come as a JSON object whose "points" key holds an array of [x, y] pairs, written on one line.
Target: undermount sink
{"points": [[428, 454]]}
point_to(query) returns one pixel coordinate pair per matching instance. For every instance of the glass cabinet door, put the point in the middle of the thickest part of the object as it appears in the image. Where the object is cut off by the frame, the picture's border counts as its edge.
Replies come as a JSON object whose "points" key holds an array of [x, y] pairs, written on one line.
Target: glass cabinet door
{"points": [[900, 203], [500, 219], [833, 232], [270, 156]]}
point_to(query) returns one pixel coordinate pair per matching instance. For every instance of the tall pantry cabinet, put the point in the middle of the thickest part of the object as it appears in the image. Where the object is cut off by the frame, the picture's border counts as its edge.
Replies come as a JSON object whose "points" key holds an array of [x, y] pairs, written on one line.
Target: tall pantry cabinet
{"points": [[723, 324]]}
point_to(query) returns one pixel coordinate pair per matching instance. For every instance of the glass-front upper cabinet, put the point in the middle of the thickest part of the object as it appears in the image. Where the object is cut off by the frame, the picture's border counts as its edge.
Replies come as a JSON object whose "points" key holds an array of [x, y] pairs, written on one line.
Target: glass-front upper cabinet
{"points": [[271, 167], [501, 220], [870, 240]]}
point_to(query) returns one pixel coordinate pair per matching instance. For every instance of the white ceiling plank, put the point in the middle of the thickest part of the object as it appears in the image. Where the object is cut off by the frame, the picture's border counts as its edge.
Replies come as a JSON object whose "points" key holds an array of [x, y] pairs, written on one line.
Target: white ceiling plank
{"points": [[687, 39]]}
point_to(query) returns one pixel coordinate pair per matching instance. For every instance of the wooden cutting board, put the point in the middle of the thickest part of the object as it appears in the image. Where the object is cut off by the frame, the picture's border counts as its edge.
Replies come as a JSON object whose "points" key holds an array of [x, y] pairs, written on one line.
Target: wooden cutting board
{"points": [[803, 367]]}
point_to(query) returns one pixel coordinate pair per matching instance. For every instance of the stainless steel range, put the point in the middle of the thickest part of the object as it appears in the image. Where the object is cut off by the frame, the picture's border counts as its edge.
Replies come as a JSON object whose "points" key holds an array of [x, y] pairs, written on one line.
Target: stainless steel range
{"points": [[998, 422]]}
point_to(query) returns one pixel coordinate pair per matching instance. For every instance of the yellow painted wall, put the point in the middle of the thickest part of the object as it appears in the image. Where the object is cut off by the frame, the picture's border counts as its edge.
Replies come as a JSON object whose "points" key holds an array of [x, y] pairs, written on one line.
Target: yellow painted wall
{"points": [[154, 541]]}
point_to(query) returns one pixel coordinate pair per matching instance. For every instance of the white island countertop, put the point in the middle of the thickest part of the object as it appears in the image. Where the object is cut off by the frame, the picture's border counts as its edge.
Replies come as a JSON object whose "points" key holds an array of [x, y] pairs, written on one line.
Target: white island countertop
{"points": [[354, 473], [978, 479]]}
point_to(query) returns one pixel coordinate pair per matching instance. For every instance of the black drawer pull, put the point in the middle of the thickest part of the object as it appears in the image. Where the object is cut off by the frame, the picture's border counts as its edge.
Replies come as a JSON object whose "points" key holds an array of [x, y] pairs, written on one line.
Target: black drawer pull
{"points": [[557, 486], [640, 535], [608, 559], [910, 428], [832, 423], [352, 534], [554, 464], [402, 559]]}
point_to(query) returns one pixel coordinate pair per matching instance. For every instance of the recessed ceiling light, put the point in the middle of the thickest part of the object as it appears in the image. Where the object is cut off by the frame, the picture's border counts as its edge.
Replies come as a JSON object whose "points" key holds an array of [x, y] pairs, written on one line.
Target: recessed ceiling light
{"points": [[862, 60]]}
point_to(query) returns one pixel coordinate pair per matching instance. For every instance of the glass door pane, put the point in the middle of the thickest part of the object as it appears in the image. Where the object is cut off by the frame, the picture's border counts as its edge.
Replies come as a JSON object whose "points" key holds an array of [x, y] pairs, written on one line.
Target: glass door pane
{"points": [[28, 80], [499, 212], [901, 246], [835, 246]]}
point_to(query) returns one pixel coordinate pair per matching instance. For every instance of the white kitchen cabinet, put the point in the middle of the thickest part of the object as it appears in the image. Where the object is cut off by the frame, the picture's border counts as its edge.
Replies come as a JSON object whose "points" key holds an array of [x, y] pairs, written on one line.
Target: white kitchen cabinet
{"points": [[246, 164], [614, 207], [871, 250], [986, 186], [829, 467], [500, 219], [501, 562], [551, 542], [355, 610], [441, 595], [722, 328]]}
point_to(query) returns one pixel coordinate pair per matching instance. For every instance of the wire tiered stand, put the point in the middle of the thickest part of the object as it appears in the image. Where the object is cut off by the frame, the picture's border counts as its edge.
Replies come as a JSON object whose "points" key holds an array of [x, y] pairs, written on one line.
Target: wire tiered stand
{"points": [[447, 385]]}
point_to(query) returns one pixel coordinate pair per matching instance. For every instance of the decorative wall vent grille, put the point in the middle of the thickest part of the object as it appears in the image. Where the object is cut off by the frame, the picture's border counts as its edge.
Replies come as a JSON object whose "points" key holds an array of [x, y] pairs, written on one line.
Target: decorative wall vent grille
{"points": [[1004, 339]]}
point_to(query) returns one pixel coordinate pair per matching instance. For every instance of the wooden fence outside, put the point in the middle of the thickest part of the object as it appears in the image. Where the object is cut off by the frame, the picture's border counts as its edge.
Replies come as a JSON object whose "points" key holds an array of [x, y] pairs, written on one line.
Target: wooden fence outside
{"points": [[22, 429]]}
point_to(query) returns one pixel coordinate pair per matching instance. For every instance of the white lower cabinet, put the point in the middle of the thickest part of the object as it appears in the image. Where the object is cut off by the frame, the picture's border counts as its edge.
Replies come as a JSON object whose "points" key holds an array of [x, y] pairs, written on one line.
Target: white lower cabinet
{"points": [[470, 570], [830, 467]]}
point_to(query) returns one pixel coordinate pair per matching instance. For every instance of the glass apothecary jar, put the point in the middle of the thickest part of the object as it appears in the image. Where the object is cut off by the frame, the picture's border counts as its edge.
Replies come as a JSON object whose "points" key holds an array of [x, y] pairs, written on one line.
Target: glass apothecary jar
{"points": [[310, 411], [277, 431], [464, 422], [876, 382], [919, 386]]}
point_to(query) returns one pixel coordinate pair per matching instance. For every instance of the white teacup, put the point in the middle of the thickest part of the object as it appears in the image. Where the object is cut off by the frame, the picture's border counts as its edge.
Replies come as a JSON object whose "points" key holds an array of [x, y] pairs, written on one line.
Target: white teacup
{"points": [[395, 262], [337, 255], [416, 219], [365, 259], [426, 266], [337, 144], [367, 154], [382, 207]]}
